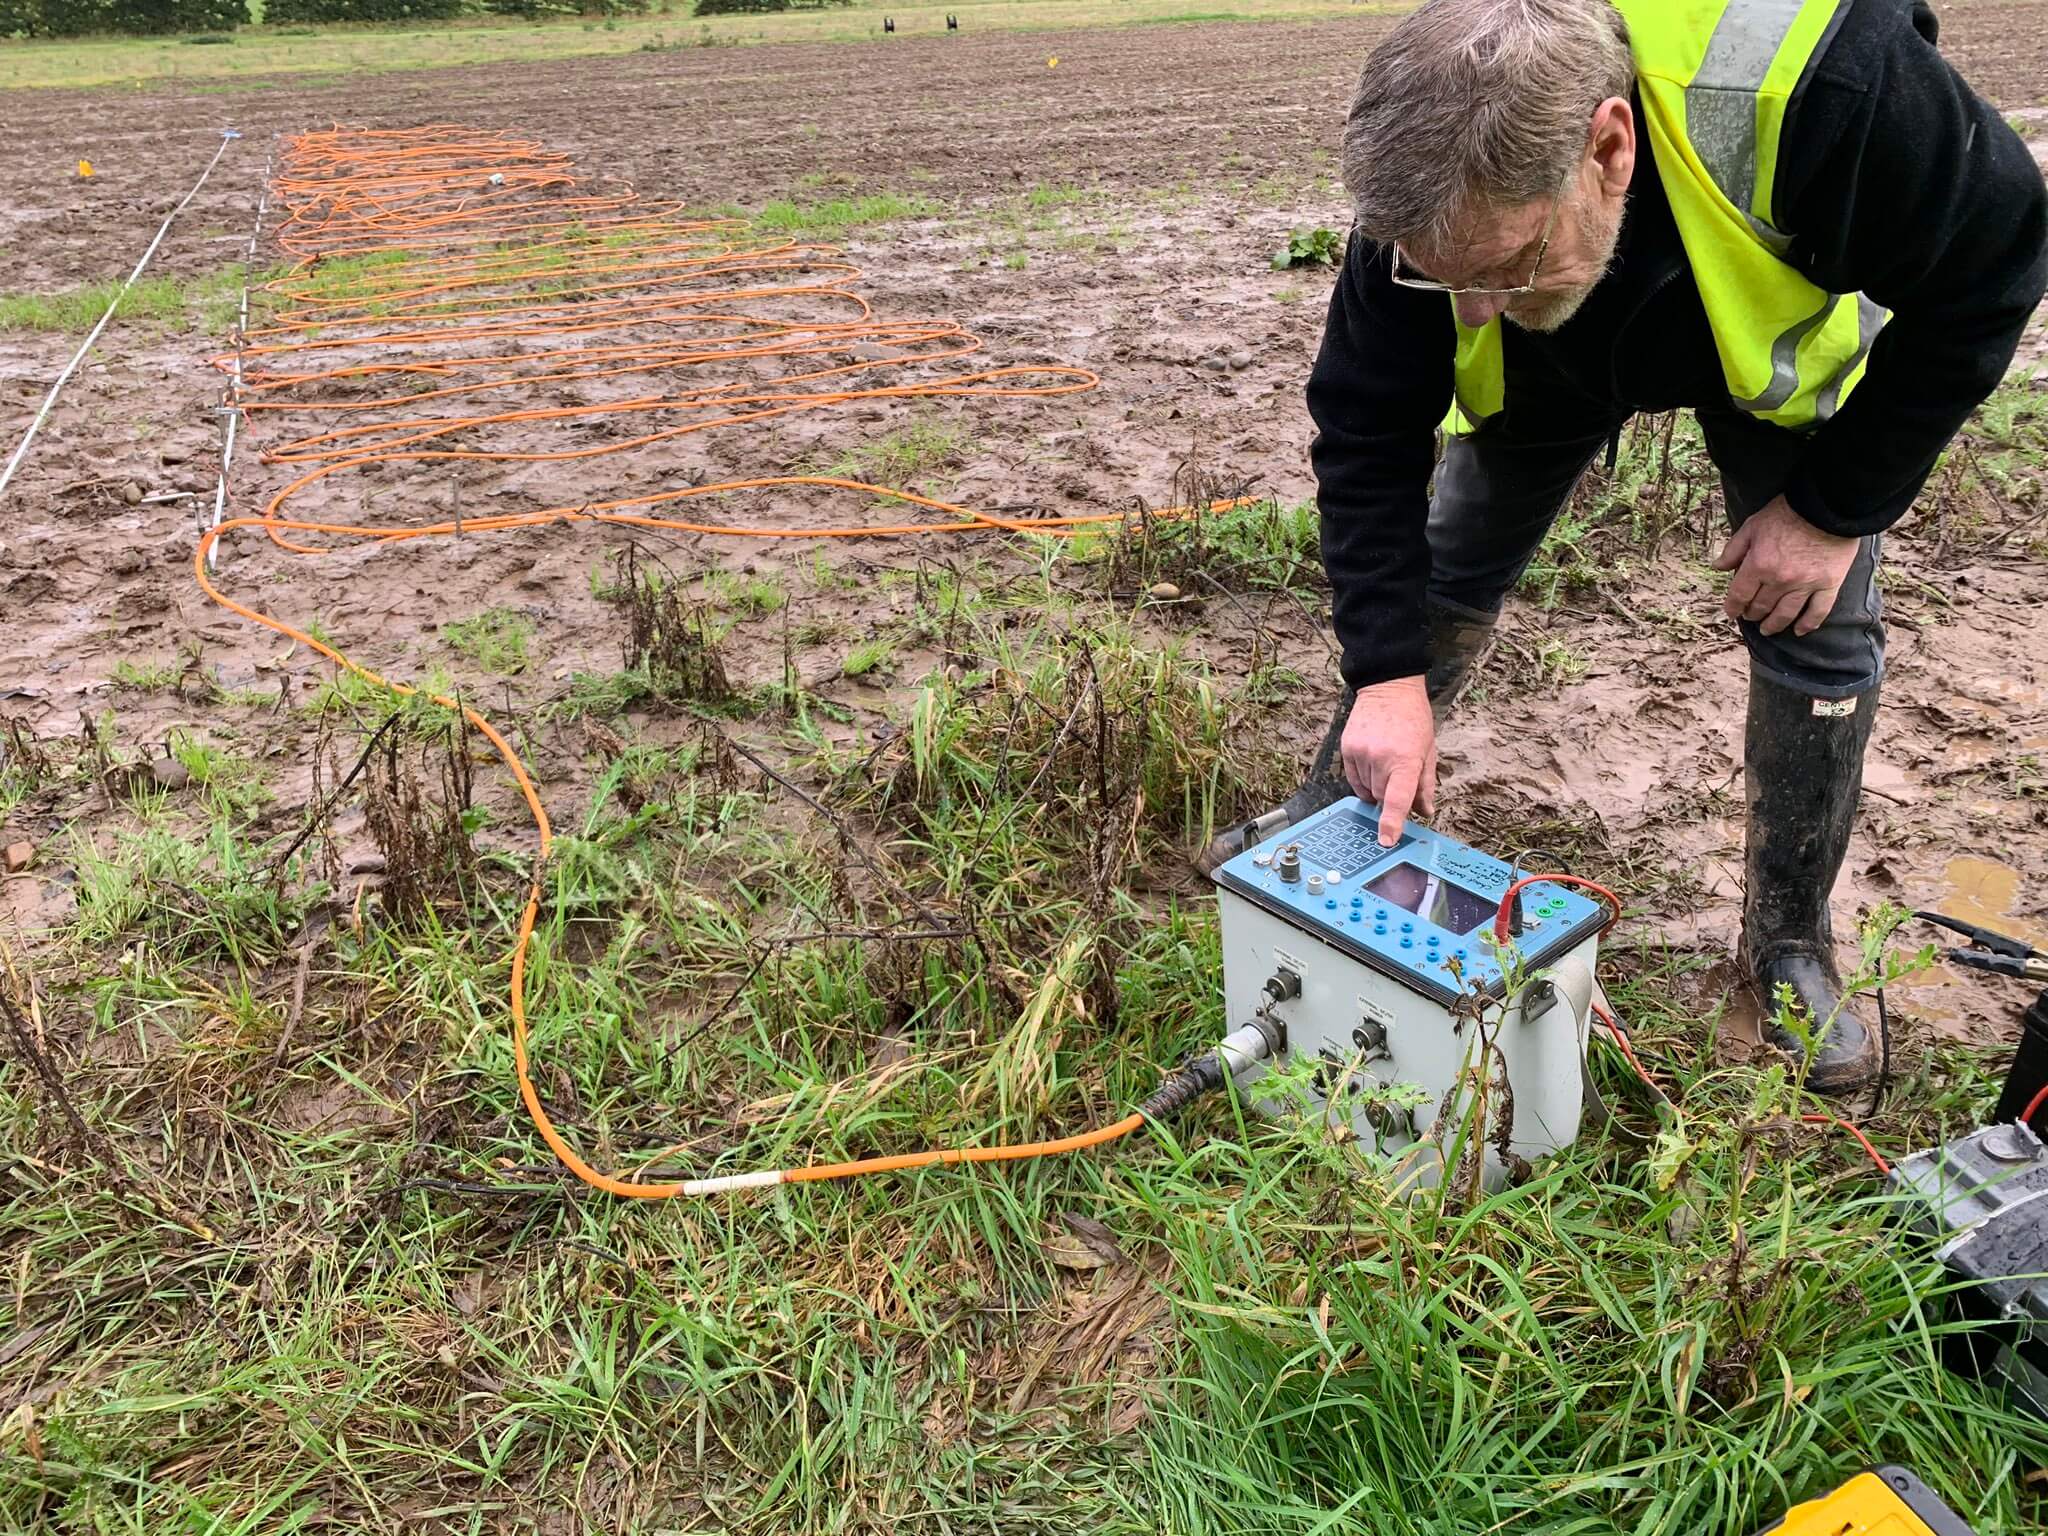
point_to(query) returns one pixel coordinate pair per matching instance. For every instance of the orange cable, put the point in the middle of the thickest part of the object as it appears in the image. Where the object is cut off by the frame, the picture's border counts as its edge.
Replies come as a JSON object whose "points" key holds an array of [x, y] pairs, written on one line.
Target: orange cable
{"points": [[470, 213]]}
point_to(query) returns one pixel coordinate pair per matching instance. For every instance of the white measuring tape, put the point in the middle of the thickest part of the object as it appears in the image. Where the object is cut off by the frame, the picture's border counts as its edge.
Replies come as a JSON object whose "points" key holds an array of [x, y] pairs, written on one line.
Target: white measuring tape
{"points": [[231, 408], [227, 137]]}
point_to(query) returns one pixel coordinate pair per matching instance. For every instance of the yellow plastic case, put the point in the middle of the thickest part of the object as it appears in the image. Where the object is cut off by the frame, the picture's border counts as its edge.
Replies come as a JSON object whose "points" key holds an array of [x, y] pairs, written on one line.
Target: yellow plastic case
{"points": [[1888, 1501]]}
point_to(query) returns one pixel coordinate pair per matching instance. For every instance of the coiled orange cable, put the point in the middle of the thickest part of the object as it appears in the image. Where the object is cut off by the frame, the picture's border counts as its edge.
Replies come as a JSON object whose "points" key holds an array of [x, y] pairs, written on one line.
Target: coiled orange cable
{"points": [[503, 278]]}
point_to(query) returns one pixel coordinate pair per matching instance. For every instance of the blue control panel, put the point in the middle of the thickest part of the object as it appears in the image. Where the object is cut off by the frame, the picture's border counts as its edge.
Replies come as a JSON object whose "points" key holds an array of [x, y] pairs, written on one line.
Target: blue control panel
{"points": [[1418, 911]]}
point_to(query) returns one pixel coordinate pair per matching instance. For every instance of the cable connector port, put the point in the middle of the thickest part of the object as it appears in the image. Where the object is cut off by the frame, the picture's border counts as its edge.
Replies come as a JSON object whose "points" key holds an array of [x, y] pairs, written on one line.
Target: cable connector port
{"points": [[1281, 987], [1242, 1048]]}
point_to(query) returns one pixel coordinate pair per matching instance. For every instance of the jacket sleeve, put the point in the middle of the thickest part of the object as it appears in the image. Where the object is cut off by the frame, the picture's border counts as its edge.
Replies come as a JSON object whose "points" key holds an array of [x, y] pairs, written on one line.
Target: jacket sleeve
{"points": [[1380, 386], [1901, 183]]}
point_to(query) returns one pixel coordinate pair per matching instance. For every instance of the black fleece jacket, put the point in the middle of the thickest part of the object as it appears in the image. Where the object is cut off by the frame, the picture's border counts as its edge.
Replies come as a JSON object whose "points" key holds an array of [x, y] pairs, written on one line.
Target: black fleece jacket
{"points": [[1896, 180]]}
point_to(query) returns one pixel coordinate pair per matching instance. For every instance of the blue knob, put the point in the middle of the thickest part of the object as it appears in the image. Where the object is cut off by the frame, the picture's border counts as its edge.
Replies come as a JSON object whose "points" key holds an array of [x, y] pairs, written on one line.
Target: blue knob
{"points": [[1358, 901], [1434, 941], [1407, 927], [1357, 917], [1331, 904], [1407, 943], [1382, 912], [1379, 928]]}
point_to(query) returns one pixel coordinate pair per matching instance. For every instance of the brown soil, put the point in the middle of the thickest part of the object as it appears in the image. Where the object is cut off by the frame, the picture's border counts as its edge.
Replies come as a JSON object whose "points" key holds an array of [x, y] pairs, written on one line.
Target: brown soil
{"points": [[1197, 148]]}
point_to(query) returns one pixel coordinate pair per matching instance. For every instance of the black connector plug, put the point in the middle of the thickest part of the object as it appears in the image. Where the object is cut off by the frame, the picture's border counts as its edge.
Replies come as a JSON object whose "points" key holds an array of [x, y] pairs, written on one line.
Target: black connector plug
{"points": [[1182, 1086]]}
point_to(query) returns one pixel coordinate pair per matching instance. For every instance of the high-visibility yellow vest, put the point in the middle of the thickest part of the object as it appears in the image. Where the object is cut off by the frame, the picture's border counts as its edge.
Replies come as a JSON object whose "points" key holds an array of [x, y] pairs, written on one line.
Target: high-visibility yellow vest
{"points": [[1714, 77]]}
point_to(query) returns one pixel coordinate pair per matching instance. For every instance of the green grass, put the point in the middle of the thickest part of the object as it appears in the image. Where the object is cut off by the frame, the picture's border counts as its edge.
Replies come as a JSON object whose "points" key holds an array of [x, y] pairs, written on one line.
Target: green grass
{"points": [[873, 655], [746, 595], [496, 639], [1060, 195], [835, 216], [212, 299], [904, 455], [311, 1267], [302, 1261], [147, 676]]}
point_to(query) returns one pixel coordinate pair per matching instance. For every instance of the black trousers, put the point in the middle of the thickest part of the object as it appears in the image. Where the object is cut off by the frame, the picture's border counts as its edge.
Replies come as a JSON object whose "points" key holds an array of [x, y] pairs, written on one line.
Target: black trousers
{"points": [[1499, 489]]}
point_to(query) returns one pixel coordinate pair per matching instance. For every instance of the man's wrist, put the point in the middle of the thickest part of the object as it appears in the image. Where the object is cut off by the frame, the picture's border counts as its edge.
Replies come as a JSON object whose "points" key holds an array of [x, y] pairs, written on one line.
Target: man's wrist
{"points": [[1413, 682], [1384, 666]]}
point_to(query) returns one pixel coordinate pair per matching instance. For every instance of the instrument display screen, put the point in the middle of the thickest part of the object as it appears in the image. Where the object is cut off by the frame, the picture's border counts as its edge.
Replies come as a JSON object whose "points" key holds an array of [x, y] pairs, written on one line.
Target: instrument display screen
{"points": [[1429, 895]]}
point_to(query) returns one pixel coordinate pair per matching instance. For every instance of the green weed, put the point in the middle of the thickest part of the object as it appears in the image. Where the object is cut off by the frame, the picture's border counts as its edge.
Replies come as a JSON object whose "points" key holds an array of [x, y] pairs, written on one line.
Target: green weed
{"points": [[147, 676], [835, 216], [155, 300], [900, 457], [496, 639]]}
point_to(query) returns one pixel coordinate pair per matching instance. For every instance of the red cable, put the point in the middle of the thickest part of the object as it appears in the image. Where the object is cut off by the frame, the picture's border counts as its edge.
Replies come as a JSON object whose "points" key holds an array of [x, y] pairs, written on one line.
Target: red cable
{"points": [[1621, 1039], [1507, 901], [2033, 1104], [1855, 1130]]}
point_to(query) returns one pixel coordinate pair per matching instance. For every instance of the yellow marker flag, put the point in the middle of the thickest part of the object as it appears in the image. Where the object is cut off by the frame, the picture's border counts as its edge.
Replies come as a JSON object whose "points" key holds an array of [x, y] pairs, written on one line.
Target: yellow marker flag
{"points": [[85, 167], [1053, 62]]}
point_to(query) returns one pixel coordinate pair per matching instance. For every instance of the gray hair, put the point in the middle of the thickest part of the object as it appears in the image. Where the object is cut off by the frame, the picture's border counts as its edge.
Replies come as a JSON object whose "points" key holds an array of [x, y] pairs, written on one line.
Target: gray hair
{"points": [[1477, 104]]}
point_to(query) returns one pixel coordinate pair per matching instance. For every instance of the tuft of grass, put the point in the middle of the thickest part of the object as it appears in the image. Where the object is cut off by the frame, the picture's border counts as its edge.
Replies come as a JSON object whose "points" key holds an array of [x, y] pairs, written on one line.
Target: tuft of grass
{"points": [[1260, 544], [748, 596], [835, 216], [905, 455], [1059, 195], [212, 299], [147, 676], [877, 654], [1109, 746], [495, 639]]}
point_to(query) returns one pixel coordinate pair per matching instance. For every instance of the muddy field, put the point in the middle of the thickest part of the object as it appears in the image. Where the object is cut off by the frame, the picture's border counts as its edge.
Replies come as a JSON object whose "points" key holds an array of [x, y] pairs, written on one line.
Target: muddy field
{"points": [[1115, 212]]}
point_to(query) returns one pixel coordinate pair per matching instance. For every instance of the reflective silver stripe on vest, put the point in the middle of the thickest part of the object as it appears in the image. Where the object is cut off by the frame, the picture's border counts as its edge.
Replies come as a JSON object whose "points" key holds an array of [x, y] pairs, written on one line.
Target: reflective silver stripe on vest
{"points": [[1720, 103], [1785, 359], [1869, 320]]}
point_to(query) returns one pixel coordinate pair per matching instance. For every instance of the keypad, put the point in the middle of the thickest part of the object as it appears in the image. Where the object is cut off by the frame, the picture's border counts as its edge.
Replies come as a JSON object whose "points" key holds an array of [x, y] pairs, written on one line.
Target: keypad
{"points": [[1347, 844]]}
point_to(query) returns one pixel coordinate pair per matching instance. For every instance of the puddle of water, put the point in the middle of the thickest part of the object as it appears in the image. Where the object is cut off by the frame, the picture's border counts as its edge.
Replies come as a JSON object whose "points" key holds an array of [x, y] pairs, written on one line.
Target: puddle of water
{"points": [[1976, 890], [2008, 693], [1980, 890]]}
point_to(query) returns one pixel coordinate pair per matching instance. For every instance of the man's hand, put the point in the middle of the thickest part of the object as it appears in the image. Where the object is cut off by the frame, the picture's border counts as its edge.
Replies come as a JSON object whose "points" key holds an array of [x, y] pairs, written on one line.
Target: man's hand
{"points": [[1390, 752], [1787, 571]]}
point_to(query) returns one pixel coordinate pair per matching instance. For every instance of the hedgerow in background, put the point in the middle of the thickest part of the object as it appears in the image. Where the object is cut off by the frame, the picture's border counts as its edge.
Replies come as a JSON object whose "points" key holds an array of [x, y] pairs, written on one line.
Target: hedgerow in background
{"points": [[296, 12], [75, 18], [759, 7]]}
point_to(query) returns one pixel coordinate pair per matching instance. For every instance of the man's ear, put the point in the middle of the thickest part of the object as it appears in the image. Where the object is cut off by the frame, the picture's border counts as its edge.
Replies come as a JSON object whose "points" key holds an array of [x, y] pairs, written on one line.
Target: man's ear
{"points": [[1611, 145]]}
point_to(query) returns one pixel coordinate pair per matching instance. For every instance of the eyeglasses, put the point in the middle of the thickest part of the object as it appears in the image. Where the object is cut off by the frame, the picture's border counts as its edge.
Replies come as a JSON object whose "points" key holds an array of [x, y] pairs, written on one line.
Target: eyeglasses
{"points": [[1413, 279]]}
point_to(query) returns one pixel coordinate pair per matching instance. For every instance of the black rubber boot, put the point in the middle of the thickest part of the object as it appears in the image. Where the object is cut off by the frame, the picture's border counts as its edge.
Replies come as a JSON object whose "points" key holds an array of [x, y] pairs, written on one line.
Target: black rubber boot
{"points": [[1804, 772], [1457, 637], [1325, 785]]}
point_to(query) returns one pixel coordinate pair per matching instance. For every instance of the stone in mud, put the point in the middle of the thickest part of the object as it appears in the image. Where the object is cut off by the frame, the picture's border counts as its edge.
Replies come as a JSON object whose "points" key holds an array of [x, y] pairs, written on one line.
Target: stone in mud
{"points": [[169, 773], [1239, 361], [17, 856], [1217, 364], [1165, 592], [131, 493]]}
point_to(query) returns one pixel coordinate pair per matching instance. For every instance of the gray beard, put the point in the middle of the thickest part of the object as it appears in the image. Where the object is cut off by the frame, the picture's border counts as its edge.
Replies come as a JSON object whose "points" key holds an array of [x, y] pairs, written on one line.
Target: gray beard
{"points": [[1553, 312], [1559, 307]]}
